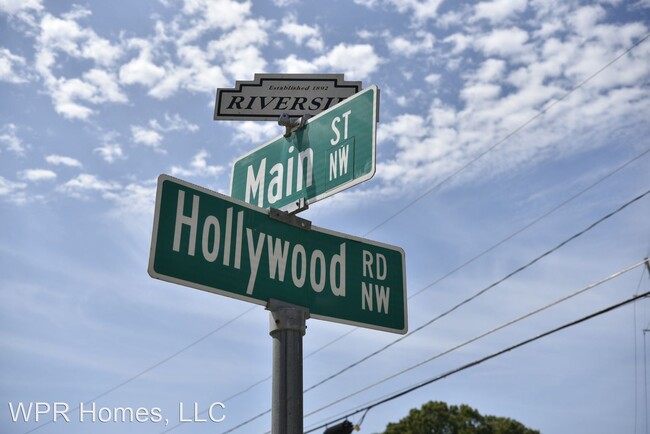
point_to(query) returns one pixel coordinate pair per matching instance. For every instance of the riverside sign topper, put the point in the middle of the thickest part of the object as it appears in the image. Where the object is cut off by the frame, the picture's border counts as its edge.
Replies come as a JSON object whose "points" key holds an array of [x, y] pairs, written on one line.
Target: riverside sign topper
{"points": [[269, 96], [333, 151], [215, 243]]}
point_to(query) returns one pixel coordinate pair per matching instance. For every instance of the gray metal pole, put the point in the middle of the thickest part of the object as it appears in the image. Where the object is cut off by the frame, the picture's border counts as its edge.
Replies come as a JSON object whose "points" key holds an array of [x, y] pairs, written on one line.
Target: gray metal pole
{"points": [[287, 327]]}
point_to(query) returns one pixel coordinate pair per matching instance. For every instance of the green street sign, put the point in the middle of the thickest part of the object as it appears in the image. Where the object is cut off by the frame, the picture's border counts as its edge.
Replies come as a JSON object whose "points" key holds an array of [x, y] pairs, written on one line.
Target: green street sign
{"points": [[205, 240], [334, 151]]}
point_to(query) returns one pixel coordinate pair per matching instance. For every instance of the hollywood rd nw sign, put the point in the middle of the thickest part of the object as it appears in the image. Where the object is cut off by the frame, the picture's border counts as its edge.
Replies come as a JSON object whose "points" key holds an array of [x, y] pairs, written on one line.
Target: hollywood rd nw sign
{"points": [[334, 151], [269, 96], [209, 241]]}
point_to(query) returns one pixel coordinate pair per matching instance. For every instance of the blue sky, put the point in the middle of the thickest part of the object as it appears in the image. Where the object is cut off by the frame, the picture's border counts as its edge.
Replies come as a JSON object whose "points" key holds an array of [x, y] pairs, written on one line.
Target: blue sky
{"points": [[99, 98]]}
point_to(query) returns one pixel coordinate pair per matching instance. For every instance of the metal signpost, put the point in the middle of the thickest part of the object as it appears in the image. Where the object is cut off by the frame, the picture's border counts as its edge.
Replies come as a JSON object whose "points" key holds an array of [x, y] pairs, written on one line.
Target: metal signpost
{"points": [[251, 248], [334, 151]]}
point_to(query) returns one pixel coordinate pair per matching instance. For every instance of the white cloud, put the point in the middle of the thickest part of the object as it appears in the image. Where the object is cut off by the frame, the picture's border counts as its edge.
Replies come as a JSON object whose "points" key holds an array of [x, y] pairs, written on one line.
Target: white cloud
{"points": [[72, 96], [35, 175], [490, 70], [422, 43], [8, 187], [293, 65], [194, 72], [152, 135], [520, 75], [433, 78], [141, 70], [403, 128], [213, 14], [245, 63], [585, 19], [285, 3], [68, 36], [24, 10], [256, 132], [302, 33], [8, 62], [460, 41], [11, 141], [110, 152], [499, 10], [174, 59], [106, 87], [147, 136], [173, 123], [503, 42], [134, 198], [62, 160], [419, 10], [357, 62], [203, 75], [13, 7], [475, 93], [86, 183], [198, 167]]}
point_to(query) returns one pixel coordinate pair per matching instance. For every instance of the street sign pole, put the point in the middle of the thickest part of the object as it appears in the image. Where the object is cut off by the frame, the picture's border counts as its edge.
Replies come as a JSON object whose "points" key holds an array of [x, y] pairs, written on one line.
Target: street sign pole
{"points": [[287, 327]]}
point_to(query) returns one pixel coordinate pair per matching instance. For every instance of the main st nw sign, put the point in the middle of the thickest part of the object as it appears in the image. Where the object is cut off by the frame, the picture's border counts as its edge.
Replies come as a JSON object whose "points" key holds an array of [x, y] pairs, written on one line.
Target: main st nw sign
{"points": [[335, 150], [212, 242]]}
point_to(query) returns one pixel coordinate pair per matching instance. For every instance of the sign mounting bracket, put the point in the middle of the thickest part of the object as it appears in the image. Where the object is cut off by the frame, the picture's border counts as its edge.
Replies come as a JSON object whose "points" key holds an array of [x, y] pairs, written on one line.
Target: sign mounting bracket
{"points": [[292, 125], [289, 218]]}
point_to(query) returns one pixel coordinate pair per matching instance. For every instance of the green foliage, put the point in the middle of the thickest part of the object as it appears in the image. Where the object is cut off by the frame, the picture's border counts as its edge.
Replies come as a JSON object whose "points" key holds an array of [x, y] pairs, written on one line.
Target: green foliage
{"points": [[439, 418]]}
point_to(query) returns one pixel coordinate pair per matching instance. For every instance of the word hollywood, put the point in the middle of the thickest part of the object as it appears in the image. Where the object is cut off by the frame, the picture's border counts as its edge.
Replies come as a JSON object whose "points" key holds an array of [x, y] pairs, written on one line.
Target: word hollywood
{"points": [[90, 412], [215, 243]]}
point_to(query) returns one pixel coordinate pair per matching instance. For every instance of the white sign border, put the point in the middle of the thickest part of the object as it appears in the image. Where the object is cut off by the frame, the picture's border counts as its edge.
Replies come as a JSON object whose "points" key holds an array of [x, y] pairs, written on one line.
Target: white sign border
{"points": [[150, 269], [347, 184]]}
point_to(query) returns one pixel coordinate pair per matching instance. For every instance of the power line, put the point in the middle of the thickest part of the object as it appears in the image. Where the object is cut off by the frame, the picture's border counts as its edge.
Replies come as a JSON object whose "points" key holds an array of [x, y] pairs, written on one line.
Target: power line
{"points": [[532, 223], [481, 292], [483, 335], [457, 306], [150, 368], [485, 359], [503, 241], [512, 133], [507, 136], [456, 269]]}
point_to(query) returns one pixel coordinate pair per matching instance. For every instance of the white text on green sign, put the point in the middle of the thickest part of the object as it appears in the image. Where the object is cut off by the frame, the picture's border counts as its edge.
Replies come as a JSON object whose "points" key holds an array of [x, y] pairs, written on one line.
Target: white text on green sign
{"points": [[334, 151], [212, 242]]}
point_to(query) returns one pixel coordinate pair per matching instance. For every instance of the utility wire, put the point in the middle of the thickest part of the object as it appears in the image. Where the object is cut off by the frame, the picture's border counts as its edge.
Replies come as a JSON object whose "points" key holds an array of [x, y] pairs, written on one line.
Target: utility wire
{"points": [[150, 368], [457, 306], [427, 192], [481, 292], [417, 199], [441, 183], [483, 335], [503, 241], [507, 136], [484, 359], [532, 223], [435, 187], [456, 269]]}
